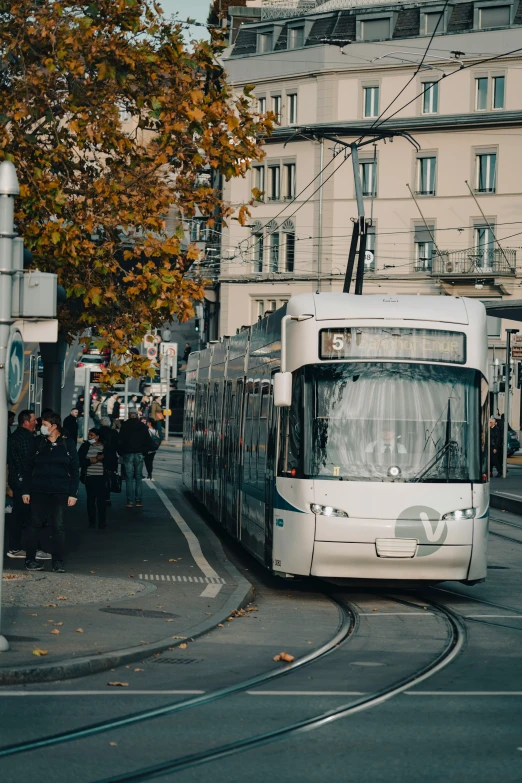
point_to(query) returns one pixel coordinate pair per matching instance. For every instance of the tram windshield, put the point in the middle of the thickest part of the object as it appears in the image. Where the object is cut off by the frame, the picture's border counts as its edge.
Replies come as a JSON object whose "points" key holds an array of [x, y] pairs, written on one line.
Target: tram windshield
{"points": [[386, 422]]}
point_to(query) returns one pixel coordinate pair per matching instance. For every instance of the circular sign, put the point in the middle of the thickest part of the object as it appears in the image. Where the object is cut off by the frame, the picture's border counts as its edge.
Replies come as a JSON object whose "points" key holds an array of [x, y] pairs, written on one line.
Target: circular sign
{"points": [[156, 339], [424, 524], [14, 375], [152, 352], [368, 257]]}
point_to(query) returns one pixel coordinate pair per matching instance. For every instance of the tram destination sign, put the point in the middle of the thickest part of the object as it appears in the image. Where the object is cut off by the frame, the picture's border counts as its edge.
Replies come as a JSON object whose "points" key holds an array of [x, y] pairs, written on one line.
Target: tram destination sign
{"points": [[368, 342]]}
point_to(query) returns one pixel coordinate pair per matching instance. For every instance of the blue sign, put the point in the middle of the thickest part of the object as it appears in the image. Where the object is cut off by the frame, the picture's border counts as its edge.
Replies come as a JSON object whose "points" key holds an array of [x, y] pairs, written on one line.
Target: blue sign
{"points": [[15, 366]]}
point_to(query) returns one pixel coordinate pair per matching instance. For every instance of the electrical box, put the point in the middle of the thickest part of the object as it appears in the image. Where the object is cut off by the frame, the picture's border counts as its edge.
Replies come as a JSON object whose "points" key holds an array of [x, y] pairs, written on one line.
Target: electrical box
{"points": [[38, 291]]}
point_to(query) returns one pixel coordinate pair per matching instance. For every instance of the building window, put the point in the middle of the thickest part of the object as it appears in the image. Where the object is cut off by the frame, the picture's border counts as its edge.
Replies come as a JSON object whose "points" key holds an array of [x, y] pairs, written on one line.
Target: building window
{"points": [[292, 108], [375, 29], [265, 42], [260, 308], [495, 16], [369, 177], [426, 168], [493, 325], [481, 93], [499, 88], [274, 183], [289, 251], [259, 247], [424, 236], [371, 101], [369, 256], [295, 37], [433, 22], [259, 182], [276, 106], [261, 105], [198, 230], [271, 305], [274, 253], [430, 98], [486, 172], [289, 180], [485, 247]]}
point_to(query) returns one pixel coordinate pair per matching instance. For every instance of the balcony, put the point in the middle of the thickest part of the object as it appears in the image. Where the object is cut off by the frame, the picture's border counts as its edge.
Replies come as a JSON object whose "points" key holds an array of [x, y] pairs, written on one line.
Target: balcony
{"points": [[474, 262]]}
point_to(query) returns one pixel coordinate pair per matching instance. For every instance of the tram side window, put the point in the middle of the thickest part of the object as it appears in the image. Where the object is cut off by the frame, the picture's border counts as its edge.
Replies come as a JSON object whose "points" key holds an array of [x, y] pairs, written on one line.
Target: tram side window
{"points": [[263, 432], [484, 425], [292, 432], [247, 438]]}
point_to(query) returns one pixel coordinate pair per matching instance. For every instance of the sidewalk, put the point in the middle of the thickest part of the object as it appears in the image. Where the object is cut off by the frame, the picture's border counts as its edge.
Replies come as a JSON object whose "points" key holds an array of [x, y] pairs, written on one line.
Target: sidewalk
{"points": [[147, 582], [506, 493]]}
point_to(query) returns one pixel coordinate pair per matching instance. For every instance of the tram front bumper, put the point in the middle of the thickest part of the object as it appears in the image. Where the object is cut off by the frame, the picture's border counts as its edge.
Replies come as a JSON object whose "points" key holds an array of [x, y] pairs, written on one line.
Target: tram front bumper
{"points": [[361, 561]]}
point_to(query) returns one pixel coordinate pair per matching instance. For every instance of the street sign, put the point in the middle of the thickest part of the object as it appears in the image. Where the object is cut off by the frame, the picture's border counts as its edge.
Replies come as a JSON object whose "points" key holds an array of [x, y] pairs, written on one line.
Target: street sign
{"points": [[516, 346], [169, 349], [157, 339], [152, 351], [368, 257], [15, 366]]}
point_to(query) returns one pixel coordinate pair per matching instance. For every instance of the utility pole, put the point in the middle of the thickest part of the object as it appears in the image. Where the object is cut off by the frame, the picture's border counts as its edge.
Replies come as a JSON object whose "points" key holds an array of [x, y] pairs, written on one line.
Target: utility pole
{"points": [[507, 400], [9, 188]]}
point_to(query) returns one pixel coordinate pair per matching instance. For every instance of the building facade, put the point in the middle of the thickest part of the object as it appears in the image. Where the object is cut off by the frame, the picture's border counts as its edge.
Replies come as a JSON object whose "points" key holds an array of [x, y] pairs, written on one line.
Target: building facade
{"points": [[446, 213]]}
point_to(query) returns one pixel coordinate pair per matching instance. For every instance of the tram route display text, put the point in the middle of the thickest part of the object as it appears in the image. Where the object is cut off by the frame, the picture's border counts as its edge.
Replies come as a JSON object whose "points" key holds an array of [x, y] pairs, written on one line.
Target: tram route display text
{"points": [[379, 342]]}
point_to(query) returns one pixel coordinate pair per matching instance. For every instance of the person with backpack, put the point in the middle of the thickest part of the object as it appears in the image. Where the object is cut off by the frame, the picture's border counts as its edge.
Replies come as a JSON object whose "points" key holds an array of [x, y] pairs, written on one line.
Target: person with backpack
{"points": [[49, 486], [154, 446], [92, 466]]}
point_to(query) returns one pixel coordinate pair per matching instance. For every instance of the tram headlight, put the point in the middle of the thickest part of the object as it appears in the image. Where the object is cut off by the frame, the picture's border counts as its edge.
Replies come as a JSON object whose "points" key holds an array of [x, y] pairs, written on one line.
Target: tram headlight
{"points": [[327, 511], [461, 513]]}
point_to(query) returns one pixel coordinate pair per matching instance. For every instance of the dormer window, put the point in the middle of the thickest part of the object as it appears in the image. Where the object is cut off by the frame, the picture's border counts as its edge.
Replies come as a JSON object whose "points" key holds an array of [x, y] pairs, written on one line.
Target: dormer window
{"points": [[296, 37], [265, 42], [494, 16], [375, 29], [433, 22]]}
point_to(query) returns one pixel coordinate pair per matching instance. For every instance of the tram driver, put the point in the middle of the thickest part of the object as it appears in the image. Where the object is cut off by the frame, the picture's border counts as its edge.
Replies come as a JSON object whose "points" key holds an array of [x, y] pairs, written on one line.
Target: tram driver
{"points": [[387, 443]]}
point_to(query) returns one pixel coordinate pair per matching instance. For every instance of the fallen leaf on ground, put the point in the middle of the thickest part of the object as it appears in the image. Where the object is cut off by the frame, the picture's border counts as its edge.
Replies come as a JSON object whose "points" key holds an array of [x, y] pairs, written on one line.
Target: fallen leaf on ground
{"points": [[62, 598], [229, 619], [209, 613], [113, 744], [93, 572], [33, 615], [172, 560], [170, 620], [78, 630], [39, 652], [55, 631], [220, 625], [50, 621], [178, 637], [59, 623], [284, 657], [183, 646], [118, 684], [50, 605], [139, 670]]}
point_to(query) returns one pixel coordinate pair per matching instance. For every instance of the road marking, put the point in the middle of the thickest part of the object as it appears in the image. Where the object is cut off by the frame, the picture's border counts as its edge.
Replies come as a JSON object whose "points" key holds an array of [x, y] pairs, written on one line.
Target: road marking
{"points": [[112, 692], [218, 581], [394, 614], [305, 693], [210, 591], [463, 693], [505, 616]]}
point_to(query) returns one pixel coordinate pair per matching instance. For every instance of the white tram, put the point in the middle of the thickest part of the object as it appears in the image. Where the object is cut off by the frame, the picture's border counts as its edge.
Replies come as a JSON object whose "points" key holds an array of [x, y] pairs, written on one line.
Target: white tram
{"points": [[360, 452]]}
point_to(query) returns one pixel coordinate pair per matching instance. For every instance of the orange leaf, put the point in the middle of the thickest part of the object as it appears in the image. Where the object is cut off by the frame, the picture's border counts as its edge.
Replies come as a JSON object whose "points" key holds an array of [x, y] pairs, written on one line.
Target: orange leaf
{"points": [[119, 684], [37, 651], [78, 630], [183, 646], [55, 631]]}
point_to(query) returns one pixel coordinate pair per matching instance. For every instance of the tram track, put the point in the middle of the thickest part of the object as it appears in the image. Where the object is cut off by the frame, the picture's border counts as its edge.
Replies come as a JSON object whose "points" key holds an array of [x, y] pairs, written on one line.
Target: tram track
{"points": [[503, 535], [457, 636]]}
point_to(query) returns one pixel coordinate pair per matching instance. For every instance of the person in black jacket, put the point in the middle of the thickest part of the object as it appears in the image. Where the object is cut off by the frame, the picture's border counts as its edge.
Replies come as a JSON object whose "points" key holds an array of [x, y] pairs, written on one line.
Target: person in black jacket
{"points": [[133, 443], [18, 445], [49, 486], [91, 455], [70, 424], [495, 447]]}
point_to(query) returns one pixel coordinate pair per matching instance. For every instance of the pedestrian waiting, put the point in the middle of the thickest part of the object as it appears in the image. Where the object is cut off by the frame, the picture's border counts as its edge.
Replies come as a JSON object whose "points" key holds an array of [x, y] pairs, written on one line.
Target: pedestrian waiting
{"points": [[18, 446], [70, 424], [92, 474], [49, 487], [133, 443], [154, 446]]}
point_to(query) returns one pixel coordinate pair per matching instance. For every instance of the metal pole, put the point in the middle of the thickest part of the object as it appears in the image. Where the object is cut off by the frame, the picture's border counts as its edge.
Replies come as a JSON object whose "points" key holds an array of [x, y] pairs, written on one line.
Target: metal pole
{"points": [[32, 383], [126, 398], [507, 401], [87, 402], [9, 188], [167, 407], [320, 217]]}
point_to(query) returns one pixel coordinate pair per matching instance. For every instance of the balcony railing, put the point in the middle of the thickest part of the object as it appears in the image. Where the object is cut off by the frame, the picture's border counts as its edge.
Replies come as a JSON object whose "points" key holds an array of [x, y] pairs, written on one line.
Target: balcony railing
{"points": [[475, 261]]}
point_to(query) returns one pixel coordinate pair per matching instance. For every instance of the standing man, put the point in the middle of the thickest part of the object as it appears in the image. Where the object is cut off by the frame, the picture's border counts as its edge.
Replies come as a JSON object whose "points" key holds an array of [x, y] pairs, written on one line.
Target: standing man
{"points": [[134, 442], [495, 447], [115, 415], [70, 424], [110, 404], [187, 352], [18, 447]]}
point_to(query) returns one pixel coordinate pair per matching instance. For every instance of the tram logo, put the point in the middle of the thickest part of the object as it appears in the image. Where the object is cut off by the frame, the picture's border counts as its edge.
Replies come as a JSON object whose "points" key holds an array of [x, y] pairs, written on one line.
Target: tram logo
{"points": [[424, 524]]}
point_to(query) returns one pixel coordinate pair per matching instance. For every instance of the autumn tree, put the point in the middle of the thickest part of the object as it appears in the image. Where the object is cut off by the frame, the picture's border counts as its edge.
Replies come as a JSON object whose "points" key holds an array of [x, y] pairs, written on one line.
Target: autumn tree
{"points": [[111, 119]]}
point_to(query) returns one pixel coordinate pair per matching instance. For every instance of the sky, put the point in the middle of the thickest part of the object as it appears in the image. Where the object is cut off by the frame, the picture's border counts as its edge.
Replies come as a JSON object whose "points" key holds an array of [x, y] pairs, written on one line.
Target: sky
{"points": [[195, 9]]}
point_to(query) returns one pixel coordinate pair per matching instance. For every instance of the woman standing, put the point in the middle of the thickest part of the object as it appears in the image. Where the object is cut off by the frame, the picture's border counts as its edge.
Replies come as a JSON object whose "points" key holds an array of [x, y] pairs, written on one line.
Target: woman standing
{"points": [[91, 455], [49, 486], [155, 444]]}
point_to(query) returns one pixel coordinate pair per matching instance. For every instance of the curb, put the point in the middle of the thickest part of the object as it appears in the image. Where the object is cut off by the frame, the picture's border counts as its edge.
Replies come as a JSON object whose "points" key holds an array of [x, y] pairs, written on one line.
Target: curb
{"points": [[72, 668], [506, 503]]}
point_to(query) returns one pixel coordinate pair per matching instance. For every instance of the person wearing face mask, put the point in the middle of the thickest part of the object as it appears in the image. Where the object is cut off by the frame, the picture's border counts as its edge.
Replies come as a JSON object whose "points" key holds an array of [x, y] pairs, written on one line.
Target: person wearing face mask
{"points": [[18, 447], [49, 487], [91, 456]]}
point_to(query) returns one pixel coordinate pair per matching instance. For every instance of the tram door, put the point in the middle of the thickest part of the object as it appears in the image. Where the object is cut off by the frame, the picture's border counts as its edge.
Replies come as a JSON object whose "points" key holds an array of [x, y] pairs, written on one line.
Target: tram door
{"points": [[271, 472], [232, 428]]}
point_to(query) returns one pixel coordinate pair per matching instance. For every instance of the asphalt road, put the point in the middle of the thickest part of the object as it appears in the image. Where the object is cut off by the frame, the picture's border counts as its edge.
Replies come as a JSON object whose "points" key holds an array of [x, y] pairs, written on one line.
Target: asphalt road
{"points": [[397, 686]]}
